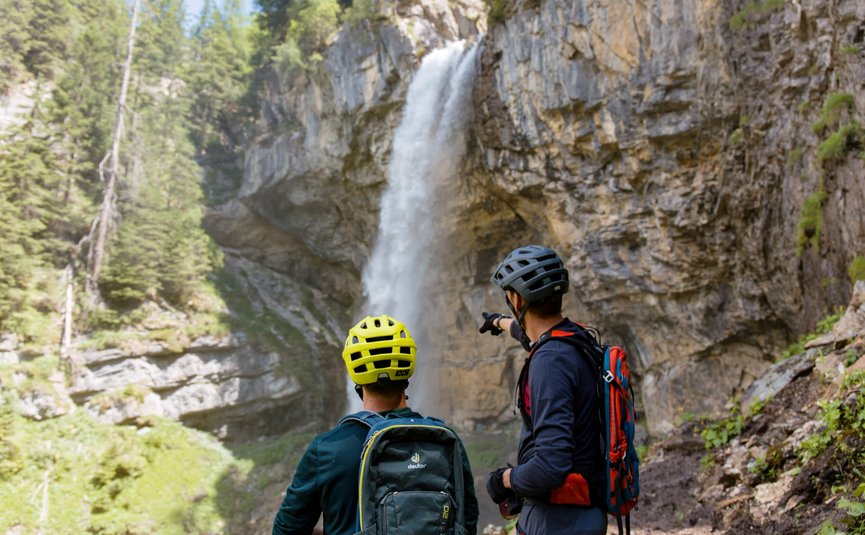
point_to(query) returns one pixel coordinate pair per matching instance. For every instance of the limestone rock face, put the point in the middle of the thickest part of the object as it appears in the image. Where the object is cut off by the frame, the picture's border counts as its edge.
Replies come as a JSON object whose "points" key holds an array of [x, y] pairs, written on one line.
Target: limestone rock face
{"points": [[259, 380], [664, 150], [667, 154]]}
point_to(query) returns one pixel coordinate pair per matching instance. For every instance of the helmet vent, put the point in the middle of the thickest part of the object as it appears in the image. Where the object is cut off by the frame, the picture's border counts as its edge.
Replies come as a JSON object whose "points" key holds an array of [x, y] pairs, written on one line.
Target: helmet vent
{"points": [[380, 351], [403, 364], [390, 322], [402, 334], [355, 356], [363, 325], [354, 339], [360, 369], [379, 338], [379, 364], [377, 322], [405, 351]]}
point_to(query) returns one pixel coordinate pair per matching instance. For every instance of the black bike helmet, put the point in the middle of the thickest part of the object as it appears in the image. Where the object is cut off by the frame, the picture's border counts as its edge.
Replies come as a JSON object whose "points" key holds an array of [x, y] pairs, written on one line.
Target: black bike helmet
{"points": [[534, 272]]}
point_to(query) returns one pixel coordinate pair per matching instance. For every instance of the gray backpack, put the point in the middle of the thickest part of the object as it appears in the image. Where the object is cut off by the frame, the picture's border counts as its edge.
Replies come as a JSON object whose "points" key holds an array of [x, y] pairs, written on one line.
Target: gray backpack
{"points": [[411, 477]]}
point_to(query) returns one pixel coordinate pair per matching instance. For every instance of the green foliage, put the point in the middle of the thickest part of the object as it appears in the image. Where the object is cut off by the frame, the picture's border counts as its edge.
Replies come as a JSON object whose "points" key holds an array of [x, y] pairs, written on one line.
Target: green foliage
{"points": [[746, 18], [312, 23], [856, 269], [836, 103], [823, 326], [111, 479], [718, 433], [288, 58], [836, 146], [810, 222], [498, 11], [360, 10], [850, 49], [843, 417]]}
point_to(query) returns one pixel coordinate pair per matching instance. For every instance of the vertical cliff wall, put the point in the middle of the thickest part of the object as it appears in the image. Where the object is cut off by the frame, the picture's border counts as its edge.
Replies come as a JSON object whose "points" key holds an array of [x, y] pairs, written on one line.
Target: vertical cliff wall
{"points": [[666, 150]]}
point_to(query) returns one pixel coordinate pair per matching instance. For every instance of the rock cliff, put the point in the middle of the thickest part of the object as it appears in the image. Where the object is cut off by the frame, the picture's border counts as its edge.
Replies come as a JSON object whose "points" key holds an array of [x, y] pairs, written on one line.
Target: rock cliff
{"points": [[665, 150]]}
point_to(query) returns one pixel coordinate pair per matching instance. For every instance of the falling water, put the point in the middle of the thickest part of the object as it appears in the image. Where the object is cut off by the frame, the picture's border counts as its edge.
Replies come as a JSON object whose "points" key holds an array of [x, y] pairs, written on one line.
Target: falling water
{"points": [[428, 145]]}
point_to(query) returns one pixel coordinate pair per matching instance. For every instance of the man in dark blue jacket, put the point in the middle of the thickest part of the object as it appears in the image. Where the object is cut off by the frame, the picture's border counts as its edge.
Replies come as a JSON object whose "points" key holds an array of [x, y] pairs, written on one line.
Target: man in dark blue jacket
{"points": [[559, 475], [380, 356]]}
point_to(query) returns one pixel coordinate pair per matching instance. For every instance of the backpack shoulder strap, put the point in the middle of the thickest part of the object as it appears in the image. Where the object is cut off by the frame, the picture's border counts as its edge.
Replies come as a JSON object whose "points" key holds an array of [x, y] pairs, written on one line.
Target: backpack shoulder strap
{"points": [[367, 418], [581, 338]]}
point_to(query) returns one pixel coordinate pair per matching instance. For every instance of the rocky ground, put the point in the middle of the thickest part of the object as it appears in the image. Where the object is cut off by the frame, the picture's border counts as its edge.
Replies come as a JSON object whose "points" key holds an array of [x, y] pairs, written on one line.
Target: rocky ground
{"points": [[790, 458], [798, 459]]}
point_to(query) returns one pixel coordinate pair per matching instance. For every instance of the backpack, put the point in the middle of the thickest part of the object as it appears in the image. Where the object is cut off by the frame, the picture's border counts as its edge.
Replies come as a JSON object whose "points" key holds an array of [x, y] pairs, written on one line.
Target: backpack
{"points": [[411, 477], [616, 396]]}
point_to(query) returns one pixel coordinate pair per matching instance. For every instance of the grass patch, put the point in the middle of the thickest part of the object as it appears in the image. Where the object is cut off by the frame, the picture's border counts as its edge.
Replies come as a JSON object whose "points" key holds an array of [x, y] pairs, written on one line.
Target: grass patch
{"points": [[810, 222], [856, 269], [748, 16], [108, 479], [836, 103], [836, 146]]}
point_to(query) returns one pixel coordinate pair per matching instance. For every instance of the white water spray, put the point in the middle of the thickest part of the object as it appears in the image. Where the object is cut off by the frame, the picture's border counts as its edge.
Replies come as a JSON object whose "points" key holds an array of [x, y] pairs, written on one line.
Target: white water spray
{"points": [[428, 145]]}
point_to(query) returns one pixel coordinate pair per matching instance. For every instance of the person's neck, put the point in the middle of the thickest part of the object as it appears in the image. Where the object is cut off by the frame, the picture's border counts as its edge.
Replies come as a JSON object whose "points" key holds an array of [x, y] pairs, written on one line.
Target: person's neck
{"points": [[376, 404], [535, 326]]}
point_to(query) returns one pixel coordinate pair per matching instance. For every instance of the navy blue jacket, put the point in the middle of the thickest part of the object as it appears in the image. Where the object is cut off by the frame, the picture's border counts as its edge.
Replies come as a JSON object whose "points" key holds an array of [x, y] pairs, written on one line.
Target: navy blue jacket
{"points": [[564, 433]]}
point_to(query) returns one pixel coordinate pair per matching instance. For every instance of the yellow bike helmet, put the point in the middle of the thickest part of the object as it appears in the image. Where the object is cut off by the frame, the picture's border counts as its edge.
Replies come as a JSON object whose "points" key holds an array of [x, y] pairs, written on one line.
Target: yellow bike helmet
{"points": [[379, 348]]}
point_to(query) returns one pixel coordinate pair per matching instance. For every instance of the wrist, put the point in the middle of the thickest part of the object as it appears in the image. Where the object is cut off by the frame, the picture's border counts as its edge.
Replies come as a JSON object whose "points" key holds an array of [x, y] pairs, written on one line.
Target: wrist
{"points": [[506, 479]]}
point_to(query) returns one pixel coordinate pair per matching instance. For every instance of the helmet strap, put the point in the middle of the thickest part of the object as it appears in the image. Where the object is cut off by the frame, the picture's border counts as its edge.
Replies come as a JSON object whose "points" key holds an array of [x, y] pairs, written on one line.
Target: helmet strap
{"points": [[518, 316], [359, 390]]}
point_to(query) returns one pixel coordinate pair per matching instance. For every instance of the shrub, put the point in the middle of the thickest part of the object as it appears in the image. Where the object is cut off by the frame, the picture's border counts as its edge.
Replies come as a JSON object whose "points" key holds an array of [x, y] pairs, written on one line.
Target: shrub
{"points": [[810, 222]]}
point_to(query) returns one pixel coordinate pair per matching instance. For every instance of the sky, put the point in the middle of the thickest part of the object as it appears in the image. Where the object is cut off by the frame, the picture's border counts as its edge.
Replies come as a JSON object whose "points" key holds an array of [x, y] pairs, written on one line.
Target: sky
{"points": [[193, 7]]}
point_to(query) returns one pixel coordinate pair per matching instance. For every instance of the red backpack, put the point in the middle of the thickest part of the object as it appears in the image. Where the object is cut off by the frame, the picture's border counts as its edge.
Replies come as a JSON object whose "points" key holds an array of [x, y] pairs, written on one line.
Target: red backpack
{"points": [[616, 396]]}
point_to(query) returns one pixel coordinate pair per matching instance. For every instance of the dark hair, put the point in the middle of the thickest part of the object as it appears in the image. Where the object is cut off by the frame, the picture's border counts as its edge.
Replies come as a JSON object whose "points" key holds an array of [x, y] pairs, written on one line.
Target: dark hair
{"points": [[389, 390], [548, 307]]}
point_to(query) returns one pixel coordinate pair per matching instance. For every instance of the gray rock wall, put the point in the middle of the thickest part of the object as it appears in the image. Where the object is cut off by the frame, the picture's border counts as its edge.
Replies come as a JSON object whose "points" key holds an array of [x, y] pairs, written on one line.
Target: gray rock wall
{"points": [[666, 155]]}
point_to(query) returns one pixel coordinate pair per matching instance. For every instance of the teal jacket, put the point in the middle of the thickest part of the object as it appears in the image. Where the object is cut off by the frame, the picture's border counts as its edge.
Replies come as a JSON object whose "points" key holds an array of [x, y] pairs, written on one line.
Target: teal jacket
{"points": [[326, 482]]}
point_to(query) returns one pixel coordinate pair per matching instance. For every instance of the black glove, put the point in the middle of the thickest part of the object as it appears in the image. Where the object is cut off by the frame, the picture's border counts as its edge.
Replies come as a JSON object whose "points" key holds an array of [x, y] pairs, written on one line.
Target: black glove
{"points": [[496, 486], [490, 323], [511, 507]]}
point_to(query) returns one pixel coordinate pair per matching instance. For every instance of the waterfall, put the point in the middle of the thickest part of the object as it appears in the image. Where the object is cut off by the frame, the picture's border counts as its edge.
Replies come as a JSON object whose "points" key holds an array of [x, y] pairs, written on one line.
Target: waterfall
{"points": [[428, 146]]}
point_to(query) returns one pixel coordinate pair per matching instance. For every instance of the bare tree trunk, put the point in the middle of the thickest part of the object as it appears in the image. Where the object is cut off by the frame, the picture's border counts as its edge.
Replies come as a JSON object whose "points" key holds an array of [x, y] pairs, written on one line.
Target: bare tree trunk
{"points": [[68, 306], [109, 200]]}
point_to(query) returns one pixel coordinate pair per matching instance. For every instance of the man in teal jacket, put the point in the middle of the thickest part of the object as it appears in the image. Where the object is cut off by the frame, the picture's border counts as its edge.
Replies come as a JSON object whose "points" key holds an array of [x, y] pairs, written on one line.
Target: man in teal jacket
{"points": [[325, 482]]}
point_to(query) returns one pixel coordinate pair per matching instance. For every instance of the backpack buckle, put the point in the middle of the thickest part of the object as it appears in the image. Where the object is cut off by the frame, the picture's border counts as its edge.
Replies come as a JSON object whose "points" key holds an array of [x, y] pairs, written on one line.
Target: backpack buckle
{"points": [[608, 376]]}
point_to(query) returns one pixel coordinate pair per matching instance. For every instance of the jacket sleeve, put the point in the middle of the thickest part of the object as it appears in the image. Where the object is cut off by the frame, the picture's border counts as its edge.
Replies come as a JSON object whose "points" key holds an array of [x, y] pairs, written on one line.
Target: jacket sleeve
{"points": [[300, 508], [552, 398], [472, 511]]}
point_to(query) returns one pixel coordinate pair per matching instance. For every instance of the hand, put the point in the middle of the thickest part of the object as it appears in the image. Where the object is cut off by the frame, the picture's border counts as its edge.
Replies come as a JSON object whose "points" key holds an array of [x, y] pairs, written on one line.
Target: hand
{"points": [[496, 485], [490, 320], [511, 507]]}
